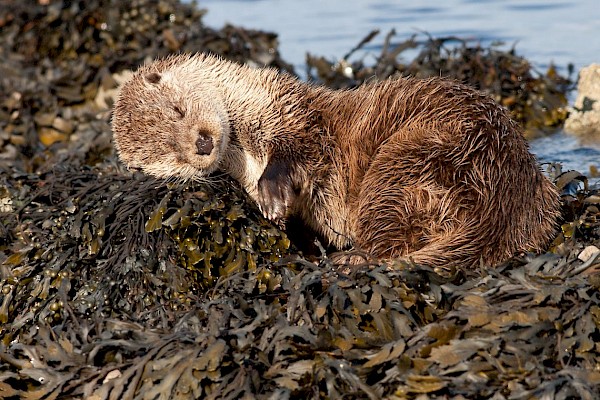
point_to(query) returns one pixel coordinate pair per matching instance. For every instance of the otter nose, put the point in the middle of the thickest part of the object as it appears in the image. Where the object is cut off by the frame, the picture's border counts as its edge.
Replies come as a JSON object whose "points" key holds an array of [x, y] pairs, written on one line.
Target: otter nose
{"points": [[204, 144]]}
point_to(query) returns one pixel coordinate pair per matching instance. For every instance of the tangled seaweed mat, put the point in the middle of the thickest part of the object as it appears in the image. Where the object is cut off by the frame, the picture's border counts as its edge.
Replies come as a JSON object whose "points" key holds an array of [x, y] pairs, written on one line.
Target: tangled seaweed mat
{"points": [[114, 285], [105, 296]]}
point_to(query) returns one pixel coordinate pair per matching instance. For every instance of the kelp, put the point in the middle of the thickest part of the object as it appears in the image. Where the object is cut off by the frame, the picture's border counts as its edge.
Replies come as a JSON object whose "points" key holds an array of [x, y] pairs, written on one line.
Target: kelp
{"points": [[117, 241], [116, 285]]}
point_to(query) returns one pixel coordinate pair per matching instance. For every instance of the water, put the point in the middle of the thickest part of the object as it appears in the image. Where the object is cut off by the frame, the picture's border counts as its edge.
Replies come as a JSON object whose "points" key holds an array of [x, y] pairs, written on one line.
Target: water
{"points": [[543, 31]]}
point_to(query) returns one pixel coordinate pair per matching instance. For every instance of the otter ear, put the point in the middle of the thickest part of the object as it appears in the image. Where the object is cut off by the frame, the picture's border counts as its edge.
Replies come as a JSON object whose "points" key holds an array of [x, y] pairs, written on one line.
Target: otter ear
{"points": [[153, 77]]}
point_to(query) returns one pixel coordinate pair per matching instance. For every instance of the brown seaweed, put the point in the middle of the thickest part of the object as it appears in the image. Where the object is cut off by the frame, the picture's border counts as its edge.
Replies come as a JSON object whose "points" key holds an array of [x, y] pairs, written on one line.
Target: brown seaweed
{"points": [[115, 285], [538, 101]]}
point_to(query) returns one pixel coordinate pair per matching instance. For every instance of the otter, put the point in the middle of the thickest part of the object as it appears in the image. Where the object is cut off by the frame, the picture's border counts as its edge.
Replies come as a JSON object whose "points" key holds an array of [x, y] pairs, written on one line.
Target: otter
{"points": [[428, 170]]}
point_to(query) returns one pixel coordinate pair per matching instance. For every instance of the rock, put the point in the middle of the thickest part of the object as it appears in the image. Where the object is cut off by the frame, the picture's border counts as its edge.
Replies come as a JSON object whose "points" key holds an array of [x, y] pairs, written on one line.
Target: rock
{"points": [[6, 204], [588, 253], [584, 116]]}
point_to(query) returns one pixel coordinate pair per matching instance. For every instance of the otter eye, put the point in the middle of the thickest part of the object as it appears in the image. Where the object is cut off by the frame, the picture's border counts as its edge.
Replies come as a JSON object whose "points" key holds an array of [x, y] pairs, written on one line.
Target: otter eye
{"points": [[179, 111]]}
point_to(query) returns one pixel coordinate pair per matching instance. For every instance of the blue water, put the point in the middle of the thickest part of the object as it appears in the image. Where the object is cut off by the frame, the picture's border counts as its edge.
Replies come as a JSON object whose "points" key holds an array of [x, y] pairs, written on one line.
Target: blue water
{"points": [[543, 31], [559, 31]]}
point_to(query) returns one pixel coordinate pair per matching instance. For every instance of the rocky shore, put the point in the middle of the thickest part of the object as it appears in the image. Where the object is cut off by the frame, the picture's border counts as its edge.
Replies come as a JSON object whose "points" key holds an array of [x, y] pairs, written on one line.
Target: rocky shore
{"points": [[114, 285]]}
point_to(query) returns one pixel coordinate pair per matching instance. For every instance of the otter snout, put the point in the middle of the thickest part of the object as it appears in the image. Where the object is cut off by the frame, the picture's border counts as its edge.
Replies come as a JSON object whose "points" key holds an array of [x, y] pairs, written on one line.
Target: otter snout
{"points": [[204, 144]]}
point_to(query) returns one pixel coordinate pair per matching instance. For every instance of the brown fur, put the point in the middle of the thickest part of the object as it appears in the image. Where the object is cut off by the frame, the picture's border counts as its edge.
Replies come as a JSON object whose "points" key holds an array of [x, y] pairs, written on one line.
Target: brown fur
{"points": [[427, 169]]}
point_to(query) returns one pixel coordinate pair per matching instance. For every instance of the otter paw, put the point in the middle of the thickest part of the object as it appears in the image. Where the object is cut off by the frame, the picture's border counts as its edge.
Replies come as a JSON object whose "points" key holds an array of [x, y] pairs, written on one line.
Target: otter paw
{"points": [[275, 191]]}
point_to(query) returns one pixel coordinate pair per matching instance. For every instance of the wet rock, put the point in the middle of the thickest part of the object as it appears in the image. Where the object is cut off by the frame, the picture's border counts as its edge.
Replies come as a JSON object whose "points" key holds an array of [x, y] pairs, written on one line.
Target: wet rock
{"points": [[584, 116]]}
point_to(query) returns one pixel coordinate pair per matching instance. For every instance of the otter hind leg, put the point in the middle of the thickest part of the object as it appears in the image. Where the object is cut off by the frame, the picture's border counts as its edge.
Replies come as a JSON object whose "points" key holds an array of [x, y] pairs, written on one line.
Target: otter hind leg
{"points": [[405, 209], [410, 222]]}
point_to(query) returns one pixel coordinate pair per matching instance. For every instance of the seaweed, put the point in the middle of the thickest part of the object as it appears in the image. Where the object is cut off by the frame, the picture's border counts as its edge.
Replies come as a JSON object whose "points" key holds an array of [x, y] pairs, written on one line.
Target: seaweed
{"points": [[536, 100]]}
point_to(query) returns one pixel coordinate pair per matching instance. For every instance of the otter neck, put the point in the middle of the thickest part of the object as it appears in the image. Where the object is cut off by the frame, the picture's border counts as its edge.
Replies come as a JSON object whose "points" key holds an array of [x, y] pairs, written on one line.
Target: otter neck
{"points": [[260, 104]]}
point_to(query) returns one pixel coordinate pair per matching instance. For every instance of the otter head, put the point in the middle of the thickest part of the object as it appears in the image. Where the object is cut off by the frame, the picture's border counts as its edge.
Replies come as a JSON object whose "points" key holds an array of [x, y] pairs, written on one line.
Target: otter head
{"points": [[168, 128]]}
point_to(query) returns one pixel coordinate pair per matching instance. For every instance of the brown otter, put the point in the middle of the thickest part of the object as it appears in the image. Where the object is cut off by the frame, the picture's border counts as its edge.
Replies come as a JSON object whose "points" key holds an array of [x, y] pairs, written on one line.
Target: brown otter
{"points": [[431, 169]]}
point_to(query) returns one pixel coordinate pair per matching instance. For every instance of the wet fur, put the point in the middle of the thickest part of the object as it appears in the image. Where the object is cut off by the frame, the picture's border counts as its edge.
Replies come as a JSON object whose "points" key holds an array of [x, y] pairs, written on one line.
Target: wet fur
{"points": [[431, 169]]}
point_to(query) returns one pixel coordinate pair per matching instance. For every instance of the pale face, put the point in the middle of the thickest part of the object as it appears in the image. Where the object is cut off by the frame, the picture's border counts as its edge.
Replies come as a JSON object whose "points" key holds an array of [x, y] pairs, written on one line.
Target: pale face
{"points": [[168, 129]]}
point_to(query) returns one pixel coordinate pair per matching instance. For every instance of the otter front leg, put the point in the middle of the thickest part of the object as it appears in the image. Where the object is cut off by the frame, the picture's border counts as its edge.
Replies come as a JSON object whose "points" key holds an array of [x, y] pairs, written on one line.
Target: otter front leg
{"points": [[276, 190]]}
